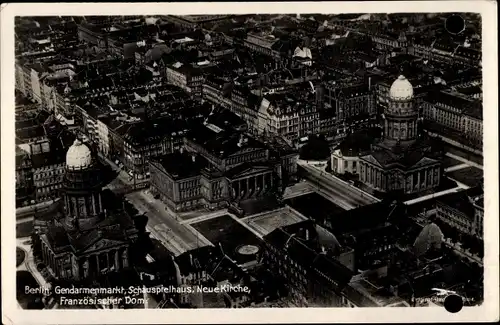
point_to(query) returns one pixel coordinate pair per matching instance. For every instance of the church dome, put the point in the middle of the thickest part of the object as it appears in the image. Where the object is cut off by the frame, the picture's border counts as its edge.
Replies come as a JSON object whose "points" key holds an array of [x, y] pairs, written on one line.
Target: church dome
{"points": [[78, 155], [401, 89]]}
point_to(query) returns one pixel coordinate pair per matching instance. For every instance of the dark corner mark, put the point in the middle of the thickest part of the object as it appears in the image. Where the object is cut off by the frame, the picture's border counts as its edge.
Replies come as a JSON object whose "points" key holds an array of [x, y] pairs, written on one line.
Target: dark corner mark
{"points": [[455, 24]]}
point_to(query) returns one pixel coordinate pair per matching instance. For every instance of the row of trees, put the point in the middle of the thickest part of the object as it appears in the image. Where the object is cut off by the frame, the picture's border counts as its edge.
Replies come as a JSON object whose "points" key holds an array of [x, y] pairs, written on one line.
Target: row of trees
{"points": [[467, 241], [316, 148]]}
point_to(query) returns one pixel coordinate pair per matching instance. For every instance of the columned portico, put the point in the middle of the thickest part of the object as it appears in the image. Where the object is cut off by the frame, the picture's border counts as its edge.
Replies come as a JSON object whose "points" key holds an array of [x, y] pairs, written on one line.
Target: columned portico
{"points": [[252, 186], [110, 260]]}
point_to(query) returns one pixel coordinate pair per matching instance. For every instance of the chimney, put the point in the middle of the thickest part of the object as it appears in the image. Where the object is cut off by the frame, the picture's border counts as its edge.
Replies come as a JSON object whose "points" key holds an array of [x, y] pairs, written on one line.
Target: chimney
{"points": [[369, 83], [307, 234]]}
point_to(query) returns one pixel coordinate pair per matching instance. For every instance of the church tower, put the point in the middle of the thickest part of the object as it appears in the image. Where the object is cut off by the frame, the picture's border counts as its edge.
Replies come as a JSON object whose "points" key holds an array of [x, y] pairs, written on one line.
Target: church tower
{"points": [[82, 189], [400, 117]]}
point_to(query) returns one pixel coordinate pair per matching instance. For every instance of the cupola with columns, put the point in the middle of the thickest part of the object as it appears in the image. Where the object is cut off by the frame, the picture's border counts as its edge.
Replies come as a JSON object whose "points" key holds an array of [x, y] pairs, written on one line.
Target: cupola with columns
{"points": [[82, 188], [400, 117]]}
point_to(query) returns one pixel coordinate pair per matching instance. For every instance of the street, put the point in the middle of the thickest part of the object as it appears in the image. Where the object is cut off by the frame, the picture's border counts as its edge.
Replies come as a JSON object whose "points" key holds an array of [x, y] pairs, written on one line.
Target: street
{"points": [[337, 191], [164, 226], [298, 189], [29, 211], [122, 180]]}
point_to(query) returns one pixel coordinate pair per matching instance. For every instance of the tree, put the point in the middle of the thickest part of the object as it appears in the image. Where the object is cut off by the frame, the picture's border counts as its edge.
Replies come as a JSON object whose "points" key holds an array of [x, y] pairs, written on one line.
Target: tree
{"points": [[316, 148], [36, 245]]}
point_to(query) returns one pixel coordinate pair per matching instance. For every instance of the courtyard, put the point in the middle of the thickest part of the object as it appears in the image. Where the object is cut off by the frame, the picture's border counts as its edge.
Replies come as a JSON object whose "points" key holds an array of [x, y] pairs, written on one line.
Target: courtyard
{"points": [[269, 221], [231, 235]]}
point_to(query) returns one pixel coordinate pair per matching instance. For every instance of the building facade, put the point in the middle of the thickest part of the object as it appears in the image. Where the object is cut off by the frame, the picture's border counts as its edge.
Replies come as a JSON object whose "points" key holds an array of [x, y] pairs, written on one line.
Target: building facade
{"points": [[472, 124], [311, 278], [463, 211], [24, 177], [217, 170], [289, 118], [351, 102], [187, 78], [48, 172], [459, 116]]}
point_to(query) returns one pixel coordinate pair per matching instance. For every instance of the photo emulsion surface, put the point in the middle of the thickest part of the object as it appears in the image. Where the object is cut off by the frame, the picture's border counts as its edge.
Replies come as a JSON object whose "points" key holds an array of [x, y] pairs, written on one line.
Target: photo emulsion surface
{"points": [[248, 161]]}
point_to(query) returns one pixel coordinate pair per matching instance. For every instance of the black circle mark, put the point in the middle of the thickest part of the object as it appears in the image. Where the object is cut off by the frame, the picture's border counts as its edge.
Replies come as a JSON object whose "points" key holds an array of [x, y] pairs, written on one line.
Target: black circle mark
{"points": [[455, 24], [453, 303]]}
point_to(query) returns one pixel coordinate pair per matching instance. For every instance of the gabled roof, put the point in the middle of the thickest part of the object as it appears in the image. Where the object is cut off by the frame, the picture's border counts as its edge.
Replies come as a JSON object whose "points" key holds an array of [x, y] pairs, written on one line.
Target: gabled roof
{"points": [[45, 159], [401, 156], [362, 218], [222, 143], [358, 142], [182, 165], [226, 119], [197, 259]]}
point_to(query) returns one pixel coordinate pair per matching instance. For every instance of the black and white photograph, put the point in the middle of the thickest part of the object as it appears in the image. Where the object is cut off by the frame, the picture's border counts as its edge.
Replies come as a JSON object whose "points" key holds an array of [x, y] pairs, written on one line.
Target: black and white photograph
{"points": [[274, 160]]}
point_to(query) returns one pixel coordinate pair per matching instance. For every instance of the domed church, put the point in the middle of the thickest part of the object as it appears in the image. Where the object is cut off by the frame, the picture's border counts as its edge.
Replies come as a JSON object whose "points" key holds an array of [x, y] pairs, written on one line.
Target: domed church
{"points": [[87, 239], [401, 160]]}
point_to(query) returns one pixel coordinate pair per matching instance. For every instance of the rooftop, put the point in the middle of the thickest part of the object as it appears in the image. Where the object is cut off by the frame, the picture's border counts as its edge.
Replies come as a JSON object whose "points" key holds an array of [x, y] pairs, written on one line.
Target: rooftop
{"points": [[356, 220], [358, 142], [227, 120], [182, 165], [220, 142], [297, 250]]}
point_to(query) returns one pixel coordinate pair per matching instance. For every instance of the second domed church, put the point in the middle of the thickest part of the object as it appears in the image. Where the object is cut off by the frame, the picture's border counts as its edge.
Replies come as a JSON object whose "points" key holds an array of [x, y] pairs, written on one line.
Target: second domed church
{"points": [[401, 160]]}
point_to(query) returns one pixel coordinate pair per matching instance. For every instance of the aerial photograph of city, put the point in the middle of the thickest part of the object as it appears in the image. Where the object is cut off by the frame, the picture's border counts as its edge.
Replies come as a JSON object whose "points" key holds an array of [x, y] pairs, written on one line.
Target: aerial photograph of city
{"points": [[249, 161]]}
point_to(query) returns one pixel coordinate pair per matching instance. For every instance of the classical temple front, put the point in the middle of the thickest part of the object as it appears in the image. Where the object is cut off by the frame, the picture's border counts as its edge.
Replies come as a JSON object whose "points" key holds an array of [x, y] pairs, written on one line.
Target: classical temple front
{"points": [[401, 160], [86, 240]]}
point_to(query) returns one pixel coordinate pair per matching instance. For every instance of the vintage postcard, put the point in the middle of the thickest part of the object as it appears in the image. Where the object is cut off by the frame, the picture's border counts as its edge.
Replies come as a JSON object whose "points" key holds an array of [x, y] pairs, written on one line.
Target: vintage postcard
{"points": [[191, 162]]}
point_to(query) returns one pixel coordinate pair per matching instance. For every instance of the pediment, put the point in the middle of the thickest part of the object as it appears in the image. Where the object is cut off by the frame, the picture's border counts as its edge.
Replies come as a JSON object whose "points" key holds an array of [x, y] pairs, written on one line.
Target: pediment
{"points": [[244, 150], [252, 170], [103, 244], [372, 160], [425, 161], [159, 166]]}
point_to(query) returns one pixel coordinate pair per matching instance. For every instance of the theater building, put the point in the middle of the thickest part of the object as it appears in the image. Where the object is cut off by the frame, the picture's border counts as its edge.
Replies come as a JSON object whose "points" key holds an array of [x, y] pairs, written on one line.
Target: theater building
{"points": [[401, 160], [86, 239], [217, 168]]}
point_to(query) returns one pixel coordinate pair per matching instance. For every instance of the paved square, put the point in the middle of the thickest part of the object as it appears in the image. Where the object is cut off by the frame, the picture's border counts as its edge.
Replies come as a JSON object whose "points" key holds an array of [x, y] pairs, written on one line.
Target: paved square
{"points": [[269, 221], [470, 176]]}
